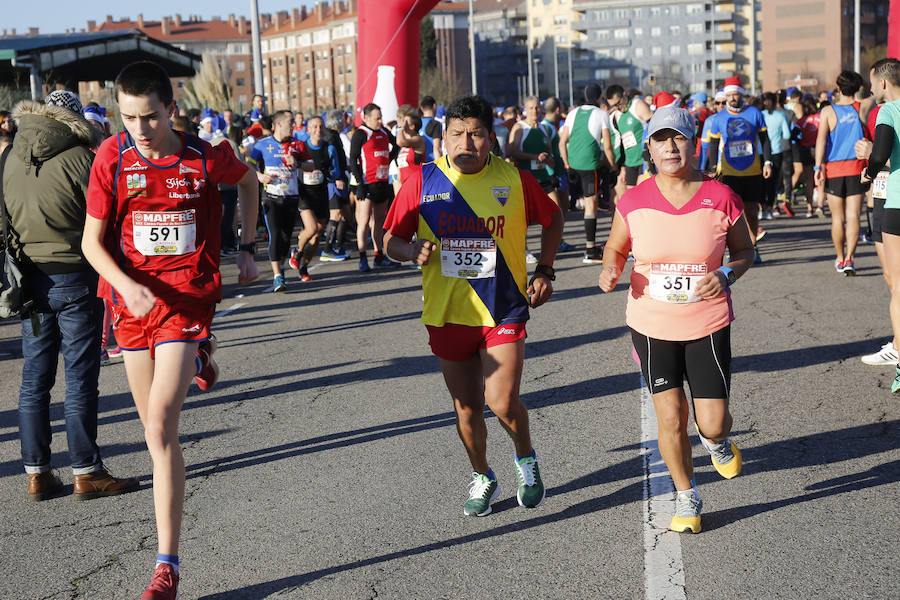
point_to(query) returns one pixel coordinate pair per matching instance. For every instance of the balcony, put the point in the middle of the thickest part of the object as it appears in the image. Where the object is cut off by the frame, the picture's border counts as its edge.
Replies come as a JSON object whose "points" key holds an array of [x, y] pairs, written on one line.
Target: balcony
{"points": [[722, 15], [587, 22]]}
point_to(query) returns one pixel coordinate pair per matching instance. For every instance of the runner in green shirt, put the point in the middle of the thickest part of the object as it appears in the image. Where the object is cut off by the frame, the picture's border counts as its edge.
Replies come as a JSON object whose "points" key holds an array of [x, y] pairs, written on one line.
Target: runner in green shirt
{"points": [[529, 146]]}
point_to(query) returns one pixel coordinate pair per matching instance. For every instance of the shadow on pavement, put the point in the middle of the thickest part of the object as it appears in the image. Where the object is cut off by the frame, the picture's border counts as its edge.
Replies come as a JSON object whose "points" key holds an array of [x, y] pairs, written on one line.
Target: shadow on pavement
{"points": [[819, 449], [60, 460]]}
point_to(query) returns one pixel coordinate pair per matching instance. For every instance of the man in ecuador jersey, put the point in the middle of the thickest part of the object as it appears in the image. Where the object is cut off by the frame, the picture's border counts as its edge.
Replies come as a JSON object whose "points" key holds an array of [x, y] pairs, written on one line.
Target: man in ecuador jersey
{"points": [[153, 234], [469, 212]]}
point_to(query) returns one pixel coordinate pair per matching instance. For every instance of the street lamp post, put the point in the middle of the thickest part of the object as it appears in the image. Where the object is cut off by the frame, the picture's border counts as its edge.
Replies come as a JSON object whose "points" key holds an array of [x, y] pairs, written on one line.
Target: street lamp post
{"points": [[472, 47], [257, 50]]}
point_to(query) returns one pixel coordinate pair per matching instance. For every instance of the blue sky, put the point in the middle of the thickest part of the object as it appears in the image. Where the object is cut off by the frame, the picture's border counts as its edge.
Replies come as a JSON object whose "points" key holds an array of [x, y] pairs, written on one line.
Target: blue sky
{"points": [[54, 16]]}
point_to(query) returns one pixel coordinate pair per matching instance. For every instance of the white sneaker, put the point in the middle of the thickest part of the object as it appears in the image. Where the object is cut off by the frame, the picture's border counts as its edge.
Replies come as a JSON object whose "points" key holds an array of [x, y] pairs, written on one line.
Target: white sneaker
{"points": [[886, 357]]}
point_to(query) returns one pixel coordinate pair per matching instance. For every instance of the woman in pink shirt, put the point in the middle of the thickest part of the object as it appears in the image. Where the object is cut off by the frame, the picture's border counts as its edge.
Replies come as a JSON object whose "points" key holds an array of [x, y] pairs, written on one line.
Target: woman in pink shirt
{"points": [[677, 224]]}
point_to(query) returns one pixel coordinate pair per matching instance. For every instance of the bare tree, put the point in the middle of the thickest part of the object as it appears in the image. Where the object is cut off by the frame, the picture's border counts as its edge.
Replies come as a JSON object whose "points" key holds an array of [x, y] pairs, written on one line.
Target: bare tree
{"points": [[432, 83], [210, 87]]}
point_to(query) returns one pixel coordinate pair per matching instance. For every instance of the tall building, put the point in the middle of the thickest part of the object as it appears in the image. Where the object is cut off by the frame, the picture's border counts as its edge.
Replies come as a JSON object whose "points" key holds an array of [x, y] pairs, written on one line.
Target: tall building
{"points": [[228, 41], [656, 45], [552, 39], [451, 32], [501, 52], [309, 58], [811, 42]]}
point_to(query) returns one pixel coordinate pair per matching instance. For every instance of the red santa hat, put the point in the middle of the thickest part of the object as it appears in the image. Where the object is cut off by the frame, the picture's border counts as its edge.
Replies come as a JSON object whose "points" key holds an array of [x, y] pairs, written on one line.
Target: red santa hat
{"points": [[663, 99], [733, 84]]}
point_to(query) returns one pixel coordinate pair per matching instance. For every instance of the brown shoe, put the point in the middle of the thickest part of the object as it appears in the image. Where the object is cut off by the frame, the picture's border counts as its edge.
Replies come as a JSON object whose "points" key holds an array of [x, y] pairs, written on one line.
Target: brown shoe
{"points": [[101, 483], [42, 486]]}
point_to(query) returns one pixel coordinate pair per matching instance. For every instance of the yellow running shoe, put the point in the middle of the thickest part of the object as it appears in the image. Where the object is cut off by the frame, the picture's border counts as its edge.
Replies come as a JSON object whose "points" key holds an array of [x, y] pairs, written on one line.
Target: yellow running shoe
{"points": [[726, 457], [687, 512]]}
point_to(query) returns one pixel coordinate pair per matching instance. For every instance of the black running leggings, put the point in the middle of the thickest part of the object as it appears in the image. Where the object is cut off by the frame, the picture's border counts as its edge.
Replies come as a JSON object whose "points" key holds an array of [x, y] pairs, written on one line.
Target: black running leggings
{"points": [[280, 213], [705, 362]]}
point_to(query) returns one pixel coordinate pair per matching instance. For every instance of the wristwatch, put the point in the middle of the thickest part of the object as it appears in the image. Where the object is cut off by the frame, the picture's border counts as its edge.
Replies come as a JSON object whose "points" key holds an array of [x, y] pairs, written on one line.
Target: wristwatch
{"points": [[547, 271], [729, 275], [250, 248]]}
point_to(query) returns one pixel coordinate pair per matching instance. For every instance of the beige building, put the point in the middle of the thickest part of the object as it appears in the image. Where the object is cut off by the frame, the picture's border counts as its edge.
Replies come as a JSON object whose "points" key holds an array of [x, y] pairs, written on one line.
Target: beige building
{"points": [[811, 41]]}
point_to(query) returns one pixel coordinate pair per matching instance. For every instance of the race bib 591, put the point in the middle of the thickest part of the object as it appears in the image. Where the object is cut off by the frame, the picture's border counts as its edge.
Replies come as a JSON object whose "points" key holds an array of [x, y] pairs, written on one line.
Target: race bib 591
{"points": [[167, 233], [468, 258]]}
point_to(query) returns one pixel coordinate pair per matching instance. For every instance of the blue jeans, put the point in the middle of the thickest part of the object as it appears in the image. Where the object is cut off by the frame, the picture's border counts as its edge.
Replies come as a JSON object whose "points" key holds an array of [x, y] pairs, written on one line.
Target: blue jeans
{"points": [[70, 319]]}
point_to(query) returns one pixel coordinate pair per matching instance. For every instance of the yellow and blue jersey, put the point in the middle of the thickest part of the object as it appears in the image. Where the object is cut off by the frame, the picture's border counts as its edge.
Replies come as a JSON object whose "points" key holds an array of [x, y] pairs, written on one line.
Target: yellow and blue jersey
{"points": [[490, 209], [738, 132]]}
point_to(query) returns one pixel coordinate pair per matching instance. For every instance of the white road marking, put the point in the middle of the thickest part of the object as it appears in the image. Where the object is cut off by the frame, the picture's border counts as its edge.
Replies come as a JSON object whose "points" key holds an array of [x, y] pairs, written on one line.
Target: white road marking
{"points": [[230, 309], [663, 566]]}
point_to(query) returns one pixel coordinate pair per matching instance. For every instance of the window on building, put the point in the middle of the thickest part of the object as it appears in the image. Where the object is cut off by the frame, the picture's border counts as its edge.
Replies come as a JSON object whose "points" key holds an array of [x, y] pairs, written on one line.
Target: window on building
{"points": [[622, 72], [655, 11], [561, 39], [560, 20], [240, 82], [621, 34], [655, 31], [181, 84], [622, 13], [601, 73], [675, 50], [340, 69], [349, 88], [292, 60], [638, 52], [695, 29], [693, 9], [674, 30], [638, 32], [695, 49], [240, 65], [638, 13], [601, 34], [308, 93], [656, 51], [306, 57], [537, 21], [340, 50], [620, 53], [349, 68]]}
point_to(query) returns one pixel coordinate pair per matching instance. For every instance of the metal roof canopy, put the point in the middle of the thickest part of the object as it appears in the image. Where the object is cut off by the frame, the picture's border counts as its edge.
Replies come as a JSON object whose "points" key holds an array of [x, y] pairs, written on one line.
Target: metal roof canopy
{"points": [[97, 56]]}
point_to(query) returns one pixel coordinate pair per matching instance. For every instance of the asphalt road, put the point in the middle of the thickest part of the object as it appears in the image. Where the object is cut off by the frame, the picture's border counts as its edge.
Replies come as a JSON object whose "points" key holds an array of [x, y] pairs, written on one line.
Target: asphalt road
{"points": [[325, 464]]}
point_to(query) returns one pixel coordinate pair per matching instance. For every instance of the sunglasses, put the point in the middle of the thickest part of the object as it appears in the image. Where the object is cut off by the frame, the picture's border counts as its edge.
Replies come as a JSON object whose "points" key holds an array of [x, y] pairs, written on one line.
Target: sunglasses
{"points": [[717, 103]]}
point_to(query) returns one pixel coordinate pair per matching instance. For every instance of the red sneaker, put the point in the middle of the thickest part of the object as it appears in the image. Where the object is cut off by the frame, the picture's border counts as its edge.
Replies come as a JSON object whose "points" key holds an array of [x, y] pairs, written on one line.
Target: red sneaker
{"points": [[786, 209], [295, 264], [164, 585], [209, 371]]}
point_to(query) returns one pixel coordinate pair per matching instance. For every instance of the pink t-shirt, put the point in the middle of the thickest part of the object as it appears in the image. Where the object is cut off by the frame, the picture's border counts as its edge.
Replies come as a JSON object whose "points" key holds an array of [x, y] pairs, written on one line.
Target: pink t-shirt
{"points": [[673, 249]]}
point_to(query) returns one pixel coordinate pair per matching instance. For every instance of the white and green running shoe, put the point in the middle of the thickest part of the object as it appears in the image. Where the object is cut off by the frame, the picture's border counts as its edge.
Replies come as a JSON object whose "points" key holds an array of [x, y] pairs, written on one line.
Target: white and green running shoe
{"points": [[531, 489], [482, 491], [895, 386]]}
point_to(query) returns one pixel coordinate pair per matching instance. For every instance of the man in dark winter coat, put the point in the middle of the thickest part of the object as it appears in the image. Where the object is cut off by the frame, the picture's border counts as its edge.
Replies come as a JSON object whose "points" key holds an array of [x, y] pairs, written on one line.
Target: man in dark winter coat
{"points": [[45, 179]]}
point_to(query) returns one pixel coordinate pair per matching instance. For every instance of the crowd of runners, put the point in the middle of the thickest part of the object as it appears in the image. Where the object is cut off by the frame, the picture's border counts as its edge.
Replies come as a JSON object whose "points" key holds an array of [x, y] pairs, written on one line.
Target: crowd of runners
{"points": [[686, 179]]}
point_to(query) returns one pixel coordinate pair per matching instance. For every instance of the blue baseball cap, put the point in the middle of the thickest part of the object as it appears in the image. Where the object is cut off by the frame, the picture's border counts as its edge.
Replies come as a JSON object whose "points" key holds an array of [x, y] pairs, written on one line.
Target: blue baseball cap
{"points": [[672, 117]]}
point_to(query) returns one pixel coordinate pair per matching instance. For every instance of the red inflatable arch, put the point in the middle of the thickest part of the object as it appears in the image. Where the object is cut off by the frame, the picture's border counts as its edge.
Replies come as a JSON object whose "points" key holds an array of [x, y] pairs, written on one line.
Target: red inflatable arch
{"points": [[893, 45], [388, 33]]}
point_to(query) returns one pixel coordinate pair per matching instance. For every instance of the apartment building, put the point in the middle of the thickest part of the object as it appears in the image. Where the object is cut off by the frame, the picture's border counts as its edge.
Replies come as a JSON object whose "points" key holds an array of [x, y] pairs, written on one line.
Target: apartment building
{"points": [[309, 57], [451, 32], [227, 39]]}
